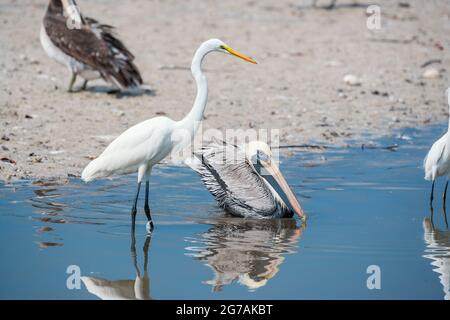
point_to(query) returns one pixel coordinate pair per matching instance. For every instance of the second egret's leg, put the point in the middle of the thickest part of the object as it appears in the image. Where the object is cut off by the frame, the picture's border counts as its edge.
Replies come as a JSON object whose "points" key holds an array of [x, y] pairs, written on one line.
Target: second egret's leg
{"points": [[134, 208], [431, 196], [444, 195], [147, 208]]}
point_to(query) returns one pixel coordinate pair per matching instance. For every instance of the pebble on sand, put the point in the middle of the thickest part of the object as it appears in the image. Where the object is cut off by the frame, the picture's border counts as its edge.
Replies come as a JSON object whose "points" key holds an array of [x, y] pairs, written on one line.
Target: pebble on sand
{"points": [[431, 73], [352, 80]]}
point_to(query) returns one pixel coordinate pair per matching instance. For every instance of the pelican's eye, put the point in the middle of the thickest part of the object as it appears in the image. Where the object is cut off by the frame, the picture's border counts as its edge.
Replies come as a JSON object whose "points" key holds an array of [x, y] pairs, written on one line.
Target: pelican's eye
{"points": [[262, 156]]}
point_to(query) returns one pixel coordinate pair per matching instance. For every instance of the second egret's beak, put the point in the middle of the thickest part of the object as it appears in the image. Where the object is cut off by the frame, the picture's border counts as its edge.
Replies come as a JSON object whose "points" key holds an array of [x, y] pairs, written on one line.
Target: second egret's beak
{"points": [[238, 54], [273, 170]]}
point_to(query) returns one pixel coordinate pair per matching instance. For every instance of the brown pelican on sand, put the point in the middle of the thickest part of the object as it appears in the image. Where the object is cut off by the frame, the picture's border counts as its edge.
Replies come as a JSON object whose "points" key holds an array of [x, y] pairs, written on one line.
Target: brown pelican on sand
{"points": [[88, 48], [245, 180]]}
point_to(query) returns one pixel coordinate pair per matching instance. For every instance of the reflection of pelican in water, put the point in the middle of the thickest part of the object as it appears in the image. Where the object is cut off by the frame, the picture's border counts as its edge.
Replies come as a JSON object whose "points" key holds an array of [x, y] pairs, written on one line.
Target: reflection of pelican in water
{"points": [[438, 250], [245, 181], [138, 289], [247, 251]]}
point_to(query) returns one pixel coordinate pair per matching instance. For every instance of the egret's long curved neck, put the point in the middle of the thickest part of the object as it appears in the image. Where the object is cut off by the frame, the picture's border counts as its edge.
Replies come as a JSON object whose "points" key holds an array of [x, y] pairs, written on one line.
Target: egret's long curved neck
{"points": [[191, 122]]}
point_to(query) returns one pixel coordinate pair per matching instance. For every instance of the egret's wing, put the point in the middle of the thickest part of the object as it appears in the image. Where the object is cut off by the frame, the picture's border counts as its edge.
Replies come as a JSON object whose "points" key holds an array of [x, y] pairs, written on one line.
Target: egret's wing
{"points": [[96, 46], [139, 144], [229, 177]]}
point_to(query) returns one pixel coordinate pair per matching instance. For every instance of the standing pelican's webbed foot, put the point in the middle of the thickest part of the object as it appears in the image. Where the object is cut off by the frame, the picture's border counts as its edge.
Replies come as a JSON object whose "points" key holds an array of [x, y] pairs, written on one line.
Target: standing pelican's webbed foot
{"points": [[149, 225], [72, 83]]}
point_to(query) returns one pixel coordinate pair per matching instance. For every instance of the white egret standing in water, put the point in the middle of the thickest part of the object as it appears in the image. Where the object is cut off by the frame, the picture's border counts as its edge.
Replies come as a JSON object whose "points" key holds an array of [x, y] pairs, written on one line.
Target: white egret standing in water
{"points": [[437, 161], [142, 146]]}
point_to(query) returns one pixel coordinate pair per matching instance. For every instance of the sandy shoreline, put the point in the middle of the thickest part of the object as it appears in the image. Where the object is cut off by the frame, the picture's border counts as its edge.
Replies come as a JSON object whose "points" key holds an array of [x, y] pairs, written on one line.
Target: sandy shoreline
{"points": [[297, 86]]}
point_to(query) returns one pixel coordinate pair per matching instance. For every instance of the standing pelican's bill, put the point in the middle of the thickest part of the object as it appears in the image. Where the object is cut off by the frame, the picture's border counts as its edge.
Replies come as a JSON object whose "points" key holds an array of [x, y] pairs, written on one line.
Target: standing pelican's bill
{"points": [[88, 48], [245, 181], [145, 144]]}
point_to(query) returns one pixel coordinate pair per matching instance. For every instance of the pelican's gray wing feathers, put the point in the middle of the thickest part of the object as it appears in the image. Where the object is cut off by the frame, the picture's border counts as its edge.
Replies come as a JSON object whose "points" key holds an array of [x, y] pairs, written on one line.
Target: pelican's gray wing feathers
{"points": [[231, 179]]}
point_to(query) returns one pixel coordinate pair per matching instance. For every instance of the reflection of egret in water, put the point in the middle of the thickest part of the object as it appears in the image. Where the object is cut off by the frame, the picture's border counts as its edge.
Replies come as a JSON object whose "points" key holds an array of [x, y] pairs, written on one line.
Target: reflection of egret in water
{"points": [[438, 250], [247, 251], [138, 289]]}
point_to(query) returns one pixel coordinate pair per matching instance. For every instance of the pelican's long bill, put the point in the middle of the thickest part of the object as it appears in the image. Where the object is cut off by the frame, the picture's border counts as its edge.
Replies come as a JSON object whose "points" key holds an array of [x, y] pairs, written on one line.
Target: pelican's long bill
{"points": [[238, 54], [286, 193]]}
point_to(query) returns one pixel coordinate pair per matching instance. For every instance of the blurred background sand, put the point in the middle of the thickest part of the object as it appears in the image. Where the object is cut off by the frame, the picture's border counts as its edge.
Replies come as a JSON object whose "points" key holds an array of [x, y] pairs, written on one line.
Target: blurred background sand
{"points": [[298, 87]]}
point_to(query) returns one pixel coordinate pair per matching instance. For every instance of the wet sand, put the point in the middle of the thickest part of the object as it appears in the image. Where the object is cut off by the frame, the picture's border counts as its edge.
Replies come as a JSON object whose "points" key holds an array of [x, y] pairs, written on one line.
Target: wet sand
{"points": [[303, 54]]}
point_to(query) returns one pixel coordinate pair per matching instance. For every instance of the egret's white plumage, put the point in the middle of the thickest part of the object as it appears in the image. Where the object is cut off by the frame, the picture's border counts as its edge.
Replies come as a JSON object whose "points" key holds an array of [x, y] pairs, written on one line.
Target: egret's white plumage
{"points": [[142, 146], [437, 161]]}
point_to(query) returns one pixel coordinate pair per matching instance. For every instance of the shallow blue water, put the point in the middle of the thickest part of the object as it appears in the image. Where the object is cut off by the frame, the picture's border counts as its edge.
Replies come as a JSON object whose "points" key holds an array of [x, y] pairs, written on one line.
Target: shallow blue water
{"points": [[366, 207]]}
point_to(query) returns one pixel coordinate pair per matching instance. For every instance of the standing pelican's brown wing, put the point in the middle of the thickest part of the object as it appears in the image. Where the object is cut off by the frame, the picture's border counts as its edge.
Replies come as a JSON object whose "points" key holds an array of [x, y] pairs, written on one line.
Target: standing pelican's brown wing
{"points": [[96, 46]]}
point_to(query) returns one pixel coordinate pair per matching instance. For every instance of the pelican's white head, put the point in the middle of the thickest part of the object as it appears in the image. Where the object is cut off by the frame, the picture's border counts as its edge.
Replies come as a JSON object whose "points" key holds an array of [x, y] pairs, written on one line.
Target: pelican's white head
{"points": [[259, 155]]}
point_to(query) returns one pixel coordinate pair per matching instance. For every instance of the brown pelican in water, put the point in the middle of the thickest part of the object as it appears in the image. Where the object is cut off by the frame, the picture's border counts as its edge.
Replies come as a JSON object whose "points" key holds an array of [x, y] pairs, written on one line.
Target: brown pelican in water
{"points": [[245, 181], [88, 48]]}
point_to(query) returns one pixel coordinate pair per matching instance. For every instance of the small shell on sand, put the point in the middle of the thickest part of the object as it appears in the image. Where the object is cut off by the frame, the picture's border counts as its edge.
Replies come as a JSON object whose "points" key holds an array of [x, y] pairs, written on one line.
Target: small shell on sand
{"points": [[431, 73], [352, 80]]}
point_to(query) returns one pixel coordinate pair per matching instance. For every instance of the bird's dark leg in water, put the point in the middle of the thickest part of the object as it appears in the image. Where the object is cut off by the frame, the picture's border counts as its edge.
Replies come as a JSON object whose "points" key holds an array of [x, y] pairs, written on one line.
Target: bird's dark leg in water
{"points": [[133, 253], [431, 217], [145, 249], [147, 208], [445, 210], [134, 210], [431, 196], [72, 82]]}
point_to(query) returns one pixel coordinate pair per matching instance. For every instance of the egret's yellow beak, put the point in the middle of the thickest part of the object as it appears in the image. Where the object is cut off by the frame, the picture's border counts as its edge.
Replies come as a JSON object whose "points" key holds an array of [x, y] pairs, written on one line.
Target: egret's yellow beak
{"points": [[238, 54]]}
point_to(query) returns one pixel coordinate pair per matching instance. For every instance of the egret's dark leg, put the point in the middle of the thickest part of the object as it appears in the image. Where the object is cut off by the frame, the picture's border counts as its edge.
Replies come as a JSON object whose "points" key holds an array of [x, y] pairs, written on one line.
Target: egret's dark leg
{"points": [[147, 207], [431, 195], [134, 210], [72, 82], [444, 205]]}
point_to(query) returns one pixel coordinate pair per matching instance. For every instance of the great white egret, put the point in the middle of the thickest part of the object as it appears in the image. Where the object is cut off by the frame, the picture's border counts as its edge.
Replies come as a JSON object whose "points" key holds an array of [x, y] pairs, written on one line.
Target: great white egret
{"points": [[142, 146], [245, 180], [88, 48], [437, 161]]}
